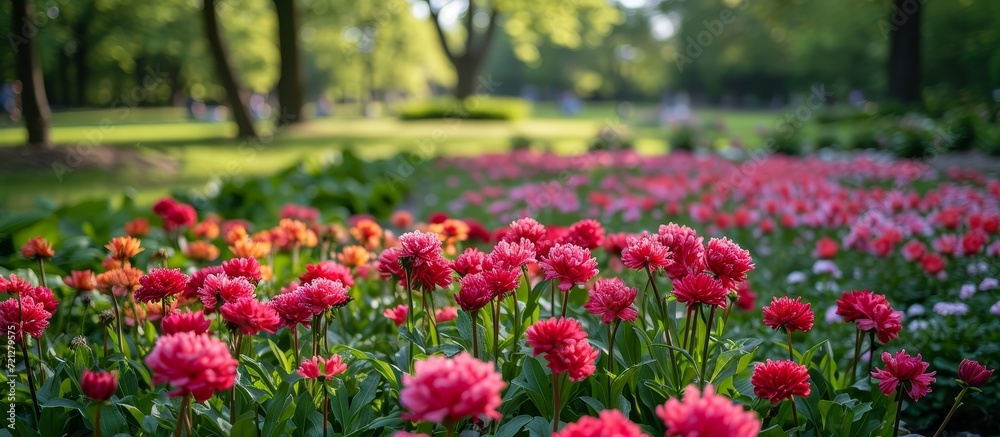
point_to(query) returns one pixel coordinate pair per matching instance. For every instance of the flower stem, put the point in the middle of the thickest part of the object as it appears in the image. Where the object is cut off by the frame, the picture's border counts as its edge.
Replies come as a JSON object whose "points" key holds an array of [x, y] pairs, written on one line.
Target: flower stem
{"points": [[41, 272], [556, 400], [704, 355], [663, 319], [795, 415], [31, 377], [899, 410], [118, 324], [295, 342], [475, 333], [97, 422], [552, 298], [791, 352], [954, 408], [565, 302], [496, 332], [612, 332], [182, 416], [326, 409], [853, 365]]}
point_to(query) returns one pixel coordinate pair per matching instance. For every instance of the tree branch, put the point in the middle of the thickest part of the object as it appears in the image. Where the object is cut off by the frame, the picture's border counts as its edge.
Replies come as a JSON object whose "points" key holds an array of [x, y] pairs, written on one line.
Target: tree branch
{"points": [[440, 32]]}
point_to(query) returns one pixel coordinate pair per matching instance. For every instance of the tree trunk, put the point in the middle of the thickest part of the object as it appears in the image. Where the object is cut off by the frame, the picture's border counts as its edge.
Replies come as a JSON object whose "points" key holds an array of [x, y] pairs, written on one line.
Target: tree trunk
{"points": [[290, 99], [177, 97], [467, 72], [904, 51], [34, 104], [234, 95]]}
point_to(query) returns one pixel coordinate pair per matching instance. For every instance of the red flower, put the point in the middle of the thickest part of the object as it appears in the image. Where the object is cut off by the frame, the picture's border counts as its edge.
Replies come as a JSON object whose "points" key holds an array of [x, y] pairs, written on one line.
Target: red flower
{"points": [[707, 415], [193, 364], [610, 423], [474, 293], [434, 274], [160, 284], [826, 248], [99, 386], [292, 309], [321, 294], [218, 289], [446, 314], [419, 247], [397, 314], [746, 296], [973, 374], [932, 263], [311, 369], [198, 280], [547, 335], [780, 380], [858, 304], [576, 357], [526, 228], [728, 261], [612, 299], [870, 311], [401, 219], [468, 262], [946, 244], [914, 250], [615, 244], [250, 316], [175, 215], [81, 280], [247, 268], [30, 317], [570, 264], [502, 280], [185, 322], [973, 243], [686, 247], [645, 251], [700, 288], [901, 370], [513, 254], [388, 264], [446, 390], [885, 322], [330, 270], [42, 296], [37, 248], [586, 233], [138, 227], [793, 315]]}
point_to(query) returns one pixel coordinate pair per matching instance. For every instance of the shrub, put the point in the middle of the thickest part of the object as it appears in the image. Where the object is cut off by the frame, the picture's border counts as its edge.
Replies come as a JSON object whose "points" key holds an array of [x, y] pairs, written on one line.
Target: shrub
{"points": [[609, 138], [785, 143], [473, 108], [683, 137], [863, 138]]}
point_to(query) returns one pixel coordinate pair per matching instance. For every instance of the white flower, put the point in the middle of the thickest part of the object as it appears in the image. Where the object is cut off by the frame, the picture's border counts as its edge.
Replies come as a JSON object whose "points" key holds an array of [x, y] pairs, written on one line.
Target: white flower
{"points": [[832, 316], [968, 290], [826, 266], [995, 309], [951, 308], [977, 267], [988, 284], [917, 325], [915, 310], [796, 277]]}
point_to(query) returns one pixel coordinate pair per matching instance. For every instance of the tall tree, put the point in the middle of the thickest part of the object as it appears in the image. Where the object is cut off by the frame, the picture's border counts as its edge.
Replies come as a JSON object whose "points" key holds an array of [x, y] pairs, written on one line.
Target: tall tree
{"points": [[525, 21], [34, 103], [904, 51], [290, 89], [224, 70]]}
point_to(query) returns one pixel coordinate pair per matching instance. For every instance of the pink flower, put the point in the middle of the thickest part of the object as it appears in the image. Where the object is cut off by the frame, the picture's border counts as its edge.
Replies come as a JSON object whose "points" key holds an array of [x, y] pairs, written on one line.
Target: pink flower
{"points": [[292, 309], [247, 268], [174, 214], [565, 345], [43, 296], [185, 322], [198, 280], [468, 262], [218, 289], [432, 275], [321, 294], [700, 288], [194, 364], [318, 367], [99, 386], [645, 251], [870, 311], [474, 293], [526, 228], [513, 255], [728, 261], [784, 312], [973, 374], [745, 297], [446, 314], [707, 415], [570, 264], [419, 247], [250, 316], [388, 264], [330, 270], [780, 380], [443, 390], [904, 369], [30, 317], [687, 248], [587, 233], [397, 314], [612, 299], [547, 335], [610, 423], [160, 284], [501, 280], [914, 250]]}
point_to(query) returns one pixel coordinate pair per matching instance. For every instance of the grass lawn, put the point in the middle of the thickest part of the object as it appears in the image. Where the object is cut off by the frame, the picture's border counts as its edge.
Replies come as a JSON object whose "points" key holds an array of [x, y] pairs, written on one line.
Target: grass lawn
{"points": [[196, 152]]}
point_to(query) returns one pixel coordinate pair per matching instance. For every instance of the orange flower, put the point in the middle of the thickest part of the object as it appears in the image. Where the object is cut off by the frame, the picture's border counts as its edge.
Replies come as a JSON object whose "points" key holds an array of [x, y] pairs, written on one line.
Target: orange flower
{"points": [[368, 233], [451, 231], [37, 248], [121, 281], [81, 280], [354, 256], [138, 227], [265, 273], [292, 231], [124, 248], [402, 219], [201, 251], [237, 233], [110, 263], [207, 230], [247, 248]]}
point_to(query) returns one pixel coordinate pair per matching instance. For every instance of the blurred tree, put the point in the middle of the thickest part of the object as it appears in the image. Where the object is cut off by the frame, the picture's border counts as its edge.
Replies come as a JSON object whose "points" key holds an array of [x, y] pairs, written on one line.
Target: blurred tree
{"points": [[903, 28], [290, 99], [34, 103], [234, 92], [526, 21]]}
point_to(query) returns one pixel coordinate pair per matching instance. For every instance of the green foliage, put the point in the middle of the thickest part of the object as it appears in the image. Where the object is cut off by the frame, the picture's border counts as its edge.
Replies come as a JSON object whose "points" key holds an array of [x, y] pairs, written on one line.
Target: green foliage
{"points": [[474, 108], [684, 137]]}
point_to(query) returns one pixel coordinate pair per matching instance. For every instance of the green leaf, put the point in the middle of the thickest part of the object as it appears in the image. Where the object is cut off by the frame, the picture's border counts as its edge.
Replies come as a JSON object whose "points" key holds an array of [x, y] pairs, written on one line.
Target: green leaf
{"points": [[513, 426], [258, 369], [286, 364], [362, 400]]}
